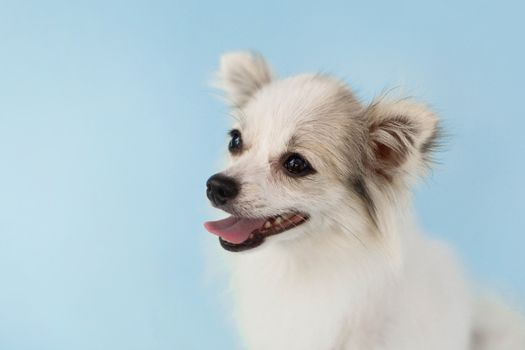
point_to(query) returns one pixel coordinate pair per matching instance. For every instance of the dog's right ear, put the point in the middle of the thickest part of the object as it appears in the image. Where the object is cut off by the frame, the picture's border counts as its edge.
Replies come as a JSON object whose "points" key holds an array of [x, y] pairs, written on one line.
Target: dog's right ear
{"points": [[241, 74]]}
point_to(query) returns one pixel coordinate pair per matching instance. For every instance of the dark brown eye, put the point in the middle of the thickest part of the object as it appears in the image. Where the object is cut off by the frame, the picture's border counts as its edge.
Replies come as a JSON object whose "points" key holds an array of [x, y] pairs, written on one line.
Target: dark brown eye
{"points": [[296, 165], [235, 144]]}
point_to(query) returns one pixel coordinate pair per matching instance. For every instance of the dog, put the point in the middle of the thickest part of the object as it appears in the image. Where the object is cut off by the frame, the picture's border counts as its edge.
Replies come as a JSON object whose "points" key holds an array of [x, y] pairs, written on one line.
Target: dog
{"points": [[325, 252]]}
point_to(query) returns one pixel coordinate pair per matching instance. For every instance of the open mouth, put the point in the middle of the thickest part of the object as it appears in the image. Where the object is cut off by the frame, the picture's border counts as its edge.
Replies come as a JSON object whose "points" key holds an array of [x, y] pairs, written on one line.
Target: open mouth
{"points": [[237, 234]]}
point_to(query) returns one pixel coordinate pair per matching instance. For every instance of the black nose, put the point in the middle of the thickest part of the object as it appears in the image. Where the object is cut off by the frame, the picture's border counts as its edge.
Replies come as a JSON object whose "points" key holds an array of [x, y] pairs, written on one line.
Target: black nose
{"points": [[221, 188]]}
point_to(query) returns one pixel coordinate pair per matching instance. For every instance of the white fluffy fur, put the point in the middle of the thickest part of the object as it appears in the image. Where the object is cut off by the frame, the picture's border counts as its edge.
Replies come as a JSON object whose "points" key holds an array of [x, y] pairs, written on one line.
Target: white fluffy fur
{"points": [[341, 281]]}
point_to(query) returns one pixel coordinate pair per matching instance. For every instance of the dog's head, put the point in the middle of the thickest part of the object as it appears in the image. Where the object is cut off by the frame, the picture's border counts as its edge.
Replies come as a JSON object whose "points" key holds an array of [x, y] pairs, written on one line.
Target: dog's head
{"points": [[306, 154]]}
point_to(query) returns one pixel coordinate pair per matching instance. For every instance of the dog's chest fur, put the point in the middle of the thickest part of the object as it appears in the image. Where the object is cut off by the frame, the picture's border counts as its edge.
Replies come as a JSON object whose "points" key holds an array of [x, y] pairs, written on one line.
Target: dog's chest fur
{"points": [[317, 297]]}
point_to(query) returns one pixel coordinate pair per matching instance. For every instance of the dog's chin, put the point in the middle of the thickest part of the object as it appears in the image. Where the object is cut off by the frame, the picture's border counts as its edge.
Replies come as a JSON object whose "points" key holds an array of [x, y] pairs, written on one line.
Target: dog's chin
{"points": [[259, 229]]}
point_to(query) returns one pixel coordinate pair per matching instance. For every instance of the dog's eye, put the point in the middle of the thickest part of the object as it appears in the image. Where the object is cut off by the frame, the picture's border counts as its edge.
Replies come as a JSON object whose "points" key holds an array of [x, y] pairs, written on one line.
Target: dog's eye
{"points": [[297, 165], [235, 144]]}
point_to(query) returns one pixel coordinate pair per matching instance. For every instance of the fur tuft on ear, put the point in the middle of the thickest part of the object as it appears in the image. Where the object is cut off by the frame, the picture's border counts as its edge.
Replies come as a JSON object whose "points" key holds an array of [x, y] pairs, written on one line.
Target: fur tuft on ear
{"points": [[241, 74], [402, 135]]}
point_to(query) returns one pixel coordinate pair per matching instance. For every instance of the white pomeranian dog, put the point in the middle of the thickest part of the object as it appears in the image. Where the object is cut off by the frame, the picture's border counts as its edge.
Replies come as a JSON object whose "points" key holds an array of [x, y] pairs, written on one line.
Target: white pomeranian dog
{"points": [[325, 252]]}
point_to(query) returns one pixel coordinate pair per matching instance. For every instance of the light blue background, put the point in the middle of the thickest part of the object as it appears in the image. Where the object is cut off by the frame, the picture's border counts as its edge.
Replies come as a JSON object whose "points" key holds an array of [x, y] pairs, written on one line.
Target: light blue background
{"points": [[108, 132]]}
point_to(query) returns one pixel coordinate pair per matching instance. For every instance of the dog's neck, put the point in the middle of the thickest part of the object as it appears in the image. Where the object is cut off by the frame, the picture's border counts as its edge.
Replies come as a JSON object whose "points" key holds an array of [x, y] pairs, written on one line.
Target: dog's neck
{"points": [[289, 277]]}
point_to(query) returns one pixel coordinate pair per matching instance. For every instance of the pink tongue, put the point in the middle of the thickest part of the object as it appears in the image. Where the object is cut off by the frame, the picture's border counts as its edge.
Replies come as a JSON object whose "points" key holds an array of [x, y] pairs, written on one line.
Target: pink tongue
{"points": [[232, 229]]}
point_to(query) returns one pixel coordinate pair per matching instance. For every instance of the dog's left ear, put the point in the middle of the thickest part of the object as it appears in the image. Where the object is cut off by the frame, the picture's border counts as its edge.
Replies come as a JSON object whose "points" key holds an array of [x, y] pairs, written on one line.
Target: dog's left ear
{"points": [[402, 136], [241, 74]]}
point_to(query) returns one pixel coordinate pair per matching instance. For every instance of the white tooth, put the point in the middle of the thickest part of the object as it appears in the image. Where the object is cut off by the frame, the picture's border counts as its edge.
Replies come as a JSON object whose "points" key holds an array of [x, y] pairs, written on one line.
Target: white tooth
{"points": [[267, 224], [278, 220]]}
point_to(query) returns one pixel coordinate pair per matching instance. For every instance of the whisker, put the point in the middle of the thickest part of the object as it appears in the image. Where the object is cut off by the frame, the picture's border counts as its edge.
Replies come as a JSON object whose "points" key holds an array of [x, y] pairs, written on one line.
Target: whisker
{"points": [[293, 223], [347, 229]]}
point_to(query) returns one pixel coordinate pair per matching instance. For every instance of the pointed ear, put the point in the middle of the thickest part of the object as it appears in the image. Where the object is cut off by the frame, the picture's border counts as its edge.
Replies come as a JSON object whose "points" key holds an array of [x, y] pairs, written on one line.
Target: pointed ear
{"points": [[241, 74], [402, 136]]}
